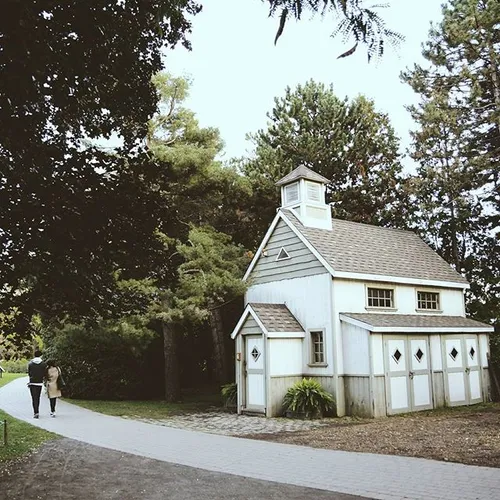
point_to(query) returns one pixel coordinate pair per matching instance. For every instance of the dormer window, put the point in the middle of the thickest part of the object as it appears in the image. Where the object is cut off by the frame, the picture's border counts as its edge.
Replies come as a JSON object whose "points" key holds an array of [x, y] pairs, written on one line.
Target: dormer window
{"points": [[292, 193], [313, 192], [282, 254]]}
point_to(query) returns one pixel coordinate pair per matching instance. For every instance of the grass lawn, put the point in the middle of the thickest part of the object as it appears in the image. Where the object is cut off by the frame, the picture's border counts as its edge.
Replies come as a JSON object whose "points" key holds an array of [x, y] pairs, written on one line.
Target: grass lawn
{"points": [[152, 409], [22, 437]]}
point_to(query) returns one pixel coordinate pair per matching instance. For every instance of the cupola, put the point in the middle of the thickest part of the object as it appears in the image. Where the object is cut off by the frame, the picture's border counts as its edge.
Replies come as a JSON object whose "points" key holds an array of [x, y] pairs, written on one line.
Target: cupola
{"points": [[303, 191]]}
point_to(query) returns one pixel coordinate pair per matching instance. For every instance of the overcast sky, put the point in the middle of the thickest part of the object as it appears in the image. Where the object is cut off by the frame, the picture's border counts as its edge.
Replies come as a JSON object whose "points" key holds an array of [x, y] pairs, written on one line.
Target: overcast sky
{"points": [[236, 70]]}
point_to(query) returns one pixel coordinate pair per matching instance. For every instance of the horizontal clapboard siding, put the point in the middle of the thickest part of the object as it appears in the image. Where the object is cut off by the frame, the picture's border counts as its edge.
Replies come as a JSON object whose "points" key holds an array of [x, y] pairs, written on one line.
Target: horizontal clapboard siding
{"points": [[301, 263], [250, 327]]}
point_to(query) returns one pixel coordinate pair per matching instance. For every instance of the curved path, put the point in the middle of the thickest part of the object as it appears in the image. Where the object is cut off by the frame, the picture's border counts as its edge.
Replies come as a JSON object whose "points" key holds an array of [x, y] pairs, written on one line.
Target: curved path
{"points": [[363, 474]]}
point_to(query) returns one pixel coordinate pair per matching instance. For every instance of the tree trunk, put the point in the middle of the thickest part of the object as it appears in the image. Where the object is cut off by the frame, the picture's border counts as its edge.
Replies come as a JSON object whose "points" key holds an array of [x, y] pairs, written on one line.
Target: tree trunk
{"points": [[220, 364], [172, 387]]}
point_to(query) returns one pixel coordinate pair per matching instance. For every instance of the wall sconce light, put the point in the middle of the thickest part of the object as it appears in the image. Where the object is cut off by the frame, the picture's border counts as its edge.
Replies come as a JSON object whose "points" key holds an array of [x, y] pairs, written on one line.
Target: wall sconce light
{"points": [[264, 252], [238, 356]]}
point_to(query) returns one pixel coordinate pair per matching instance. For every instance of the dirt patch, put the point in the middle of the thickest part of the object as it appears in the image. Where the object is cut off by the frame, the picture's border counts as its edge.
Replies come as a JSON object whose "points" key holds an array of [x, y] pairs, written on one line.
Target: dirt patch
{"points": [[65, 469], [464, 435]]}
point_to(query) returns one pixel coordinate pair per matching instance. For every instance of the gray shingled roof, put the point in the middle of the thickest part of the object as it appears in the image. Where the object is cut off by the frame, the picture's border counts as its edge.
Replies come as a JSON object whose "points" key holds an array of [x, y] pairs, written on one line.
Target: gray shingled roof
{"points": [[276, 317], [415, 320], [364, 249], [302, 172]]}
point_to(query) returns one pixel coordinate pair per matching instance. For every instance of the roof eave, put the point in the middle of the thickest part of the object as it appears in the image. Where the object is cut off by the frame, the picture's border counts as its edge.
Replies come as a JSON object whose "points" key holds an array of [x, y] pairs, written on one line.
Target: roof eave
{"points": [[400, 279]]}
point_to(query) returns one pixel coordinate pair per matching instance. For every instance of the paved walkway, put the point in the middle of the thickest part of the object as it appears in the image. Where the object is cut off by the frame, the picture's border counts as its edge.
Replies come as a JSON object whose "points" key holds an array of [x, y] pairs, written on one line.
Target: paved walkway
{"points": [[231, 424], [364, 474]]}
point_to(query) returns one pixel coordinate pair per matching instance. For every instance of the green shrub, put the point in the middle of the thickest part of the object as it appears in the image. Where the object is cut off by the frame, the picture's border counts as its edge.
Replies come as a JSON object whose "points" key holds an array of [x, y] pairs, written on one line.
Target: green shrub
{"points": [[15, 365], [307, 397], [107, 361], [229, 393]]}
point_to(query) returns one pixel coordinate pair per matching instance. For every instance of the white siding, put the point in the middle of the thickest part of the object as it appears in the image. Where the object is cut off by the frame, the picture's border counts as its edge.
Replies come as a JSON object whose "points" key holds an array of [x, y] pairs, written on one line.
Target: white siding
{"points": [[350, 296], [285, 357], [377, 354], [484, 349], [309, 300], [356, 350], [301, 262], [436, 356]]}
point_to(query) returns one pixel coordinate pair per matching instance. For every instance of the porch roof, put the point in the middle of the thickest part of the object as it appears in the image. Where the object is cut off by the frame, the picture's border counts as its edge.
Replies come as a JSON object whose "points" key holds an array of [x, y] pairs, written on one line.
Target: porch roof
{"points": [[276, 317], [415, 323]]}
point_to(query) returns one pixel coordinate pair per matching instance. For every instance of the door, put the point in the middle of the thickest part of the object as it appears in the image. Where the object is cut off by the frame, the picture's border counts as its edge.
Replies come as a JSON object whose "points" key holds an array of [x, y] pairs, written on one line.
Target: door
{"points": [[472, 371], [463, 377], [420, 373], [255, 399], [408, 379]]}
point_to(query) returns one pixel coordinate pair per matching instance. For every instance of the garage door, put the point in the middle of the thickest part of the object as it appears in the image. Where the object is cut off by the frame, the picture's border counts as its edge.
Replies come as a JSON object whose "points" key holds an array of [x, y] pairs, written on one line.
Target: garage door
{"points": [[407, 368], [462, 372]]}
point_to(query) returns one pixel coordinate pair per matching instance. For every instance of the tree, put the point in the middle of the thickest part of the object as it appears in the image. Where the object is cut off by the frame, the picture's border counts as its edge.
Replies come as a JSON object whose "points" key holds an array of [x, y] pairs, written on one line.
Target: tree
{"points": [[349, 143], [361, 24], [458, 146], [209, 277], [73, 218]]}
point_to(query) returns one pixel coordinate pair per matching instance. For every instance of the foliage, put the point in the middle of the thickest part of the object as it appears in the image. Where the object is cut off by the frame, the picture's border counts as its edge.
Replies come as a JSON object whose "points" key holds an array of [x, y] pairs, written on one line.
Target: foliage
{"points": [[107, 361], [76, 219], [229, 393], [308, 397], [348, 142], [210, 274], [457, 146], [15, 365], [362, 24]]}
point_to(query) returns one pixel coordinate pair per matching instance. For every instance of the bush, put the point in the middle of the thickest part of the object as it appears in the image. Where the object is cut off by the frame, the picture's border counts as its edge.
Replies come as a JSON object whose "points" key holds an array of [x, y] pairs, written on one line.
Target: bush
{"points": [[108, 361], [229, 393], [307, 397], [15, 365]]}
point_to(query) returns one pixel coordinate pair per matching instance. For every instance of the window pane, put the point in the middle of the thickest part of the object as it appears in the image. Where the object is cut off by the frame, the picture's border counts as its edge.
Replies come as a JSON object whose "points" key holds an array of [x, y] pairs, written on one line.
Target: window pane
{"points": [[317, 347], [428, 300], [380, 297]]}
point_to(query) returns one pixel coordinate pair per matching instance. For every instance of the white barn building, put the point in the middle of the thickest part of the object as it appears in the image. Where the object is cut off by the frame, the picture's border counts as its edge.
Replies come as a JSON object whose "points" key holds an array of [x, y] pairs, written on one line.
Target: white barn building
{"points": [[374, 314]]}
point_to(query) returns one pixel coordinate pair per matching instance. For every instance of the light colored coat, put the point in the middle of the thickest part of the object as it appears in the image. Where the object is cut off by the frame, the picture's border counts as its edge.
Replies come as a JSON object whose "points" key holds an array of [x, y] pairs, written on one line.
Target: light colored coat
{"points": [[52, 376]]}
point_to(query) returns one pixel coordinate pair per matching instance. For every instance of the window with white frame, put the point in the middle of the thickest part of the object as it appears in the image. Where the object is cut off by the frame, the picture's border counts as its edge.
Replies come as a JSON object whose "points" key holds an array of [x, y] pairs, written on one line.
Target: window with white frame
{"points": [[292, 193], [282, 254], [313, 191], [317, 347], [380, 297], [428, 301]]}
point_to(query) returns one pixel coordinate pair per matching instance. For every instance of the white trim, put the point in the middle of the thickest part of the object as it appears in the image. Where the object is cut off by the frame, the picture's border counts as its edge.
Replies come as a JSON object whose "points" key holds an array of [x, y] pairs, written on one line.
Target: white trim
{"points": [[282, 249], [248, 310], [262, 246], [384, 286], [306, 242], [311, 350], [342, 274], [396, 279], [415, 329], [431, 291], [286, 335]]}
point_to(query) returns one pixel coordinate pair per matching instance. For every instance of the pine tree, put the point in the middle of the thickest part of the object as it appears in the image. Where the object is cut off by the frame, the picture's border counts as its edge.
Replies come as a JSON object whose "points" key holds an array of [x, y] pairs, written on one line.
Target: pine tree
{"points": [[348, 142], [457, 146]]}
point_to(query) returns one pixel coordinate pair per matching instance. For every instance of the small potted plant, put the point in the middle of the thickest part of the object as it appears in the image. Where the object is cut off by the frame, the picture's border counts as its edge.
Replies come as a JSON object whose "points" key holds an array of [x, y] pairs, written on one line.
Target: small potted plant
{"points": [[307, 399]]}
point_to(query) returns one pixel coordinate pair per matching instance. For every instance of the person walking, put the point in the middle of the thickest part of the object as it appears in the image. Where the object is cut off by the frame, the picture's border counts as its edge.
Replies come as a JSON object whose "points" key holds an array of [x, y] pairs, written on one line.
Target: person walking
{"points": [[36, 372], [53, 379]]}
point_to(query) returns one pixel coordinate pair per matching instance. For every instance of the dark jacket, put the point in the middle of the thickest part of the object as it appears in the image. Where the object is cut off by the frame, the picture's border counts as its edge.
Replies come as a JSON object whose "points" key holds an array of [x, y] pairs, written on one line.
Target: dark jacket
{"points": [[37, 370]]}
